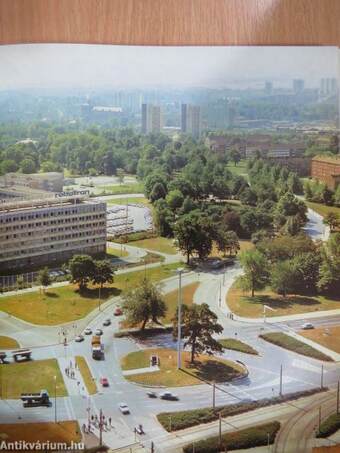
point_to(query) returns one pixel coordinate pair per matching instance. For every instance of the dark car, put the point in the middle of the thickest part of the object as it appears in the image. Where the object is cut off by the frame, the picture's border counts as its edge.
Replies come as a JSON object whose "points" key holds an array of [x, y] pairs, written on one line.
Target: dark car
{"points": [[168, 396], [152, 394]]}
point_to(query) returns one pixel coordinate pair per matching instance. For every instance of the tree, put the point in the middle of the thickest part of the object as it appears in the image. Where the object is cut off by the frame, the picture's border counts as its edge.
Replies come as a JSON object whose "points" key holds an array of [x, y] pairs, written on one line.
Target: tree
{"points": [[248, 196], [329, 280], [284, 277], [175, 199], [227, 241], [235, 156], [44, 278], [82, 269], [332, 220], [199, 326], [103, 272], [28, 166], [255, 266], [8, 166], [143, 304], [158, 191]]}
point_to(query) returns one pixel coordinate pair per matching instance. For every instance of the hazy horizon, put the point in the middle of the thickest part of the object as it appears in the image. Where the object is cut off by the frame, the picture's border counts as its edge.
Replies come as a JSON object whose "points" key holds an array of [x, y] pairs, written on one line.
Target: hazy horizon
{"points": [[90, 67]]}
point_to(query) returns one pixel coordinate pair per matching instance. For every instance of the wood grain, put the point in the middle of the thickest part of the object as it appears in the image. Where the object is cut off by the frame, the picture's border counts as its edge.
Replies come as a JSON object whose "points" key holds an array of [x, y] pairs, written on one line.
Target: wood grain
{"points": [[171, 22]]}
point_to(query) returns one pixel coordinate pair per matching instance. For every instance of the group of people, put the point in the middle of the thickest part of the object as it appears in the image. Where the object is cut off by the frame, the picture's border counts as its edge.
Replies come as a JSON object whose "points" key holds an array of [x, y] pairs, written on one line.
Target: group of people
{"points": [[70, 372], [94, 420]]}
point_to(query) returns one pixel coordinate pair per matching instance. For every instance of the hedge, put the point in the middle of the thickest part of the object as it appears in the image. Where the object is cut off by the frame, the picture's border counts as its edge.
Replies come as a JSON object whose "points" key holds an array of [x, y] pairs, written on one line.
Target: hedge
{"points": [[174, 421], [329, 426], [243, 438]]}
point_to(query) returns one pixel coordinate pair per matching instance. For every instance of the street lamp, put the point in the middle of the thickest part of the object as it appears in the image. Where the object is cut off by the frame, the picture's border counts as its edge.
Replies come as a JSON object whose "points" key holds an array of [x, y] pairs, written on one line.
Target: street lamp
{"points": [[179, 320], [55, 399]]}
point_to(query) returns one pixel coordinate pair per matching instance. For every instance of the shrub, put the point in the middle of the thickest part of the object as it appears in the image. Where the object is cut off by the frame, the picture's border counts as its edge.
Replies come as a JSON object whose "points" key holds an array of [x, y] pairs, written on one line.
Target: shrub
{"points": [[329, 426]]}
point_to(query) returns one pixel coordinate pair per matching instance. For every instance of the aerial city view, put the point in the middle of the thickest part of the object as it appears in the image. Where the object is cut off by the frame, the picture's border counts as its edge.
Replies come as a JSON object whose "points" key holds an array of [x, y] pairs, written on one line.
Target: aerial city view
{"points": [[169, 249]]}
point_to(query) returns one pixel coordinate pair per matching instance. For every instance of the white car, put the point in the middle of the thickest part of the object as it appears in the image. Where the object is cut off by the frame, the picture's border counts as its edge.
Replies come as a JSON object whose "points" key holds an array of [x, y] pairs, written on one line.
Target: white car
{"points": [[124, 408], [98, 332], [87, 331], [307, 326], [79, 338]]}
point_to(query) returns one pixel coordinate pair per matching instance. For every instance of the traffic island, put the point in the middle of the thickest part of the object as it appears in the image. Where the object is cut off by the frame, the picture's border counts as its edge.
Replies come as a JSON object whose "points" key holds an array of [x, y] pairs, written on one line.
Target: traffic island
{"points": [[236, 345], [31, 377], [63, 432], [8, 343], [292, 344], [165, 374]]}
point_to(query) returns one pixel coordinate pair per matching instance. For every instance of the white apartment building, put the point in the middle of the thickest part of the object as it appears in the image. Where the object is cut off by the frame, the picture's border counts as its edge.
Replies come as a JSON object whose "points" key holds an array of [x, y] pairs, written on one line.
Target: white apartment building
{"points": [[50, 230]]}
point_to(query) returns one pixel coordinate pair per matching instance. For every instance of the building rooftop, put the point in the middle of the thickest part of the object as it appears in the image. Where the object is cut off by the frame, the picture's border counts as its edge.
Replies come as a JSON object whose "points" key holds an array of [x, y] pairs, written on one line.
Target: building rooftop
{"points": [[328, 159]]}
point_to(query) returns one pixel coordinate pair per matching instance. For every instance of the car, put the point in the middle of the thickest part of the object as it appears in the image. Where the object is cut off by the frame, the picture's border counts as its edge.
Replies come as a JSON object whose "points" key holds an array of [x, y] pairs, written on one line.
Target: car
{"points": [[107, 322], [87, 331], [124, 408], [79, 338], [118, 311], [168, 396], [98, 332], [307, 326], [104, 381], [152, 394]]}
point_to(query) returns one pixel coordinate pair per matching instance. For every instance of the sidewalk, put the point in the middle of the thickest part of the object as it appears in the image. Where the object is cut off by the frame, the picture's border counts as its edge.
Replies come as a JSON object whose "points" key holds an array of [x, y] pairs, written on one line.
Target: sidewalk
{"points": [[76, 385]]}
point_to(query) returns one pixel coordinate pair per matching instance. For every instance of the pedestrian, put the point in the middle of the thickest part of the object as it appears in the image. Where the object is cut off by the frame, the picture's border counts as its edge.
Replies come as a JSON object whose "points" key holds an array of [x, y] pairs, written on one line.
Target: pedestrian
{"points": [[66, 371], [110, 421], [70, 363]]}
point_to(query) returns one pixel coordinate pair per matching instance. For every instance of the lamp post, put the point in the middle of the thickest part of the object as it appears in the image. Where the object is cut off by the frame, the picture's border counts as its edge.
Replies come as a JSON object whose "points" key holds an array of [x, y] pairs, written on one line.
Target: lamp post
{"points": [[55, 399], [179, 321]]}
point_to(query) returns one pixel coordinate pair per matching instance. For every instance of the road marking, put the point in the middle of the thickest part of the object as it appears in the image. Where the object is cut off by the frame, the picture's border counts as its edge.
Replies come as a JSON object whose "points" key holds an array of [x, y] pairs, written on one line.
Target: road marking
{"points": [[307, 366]]}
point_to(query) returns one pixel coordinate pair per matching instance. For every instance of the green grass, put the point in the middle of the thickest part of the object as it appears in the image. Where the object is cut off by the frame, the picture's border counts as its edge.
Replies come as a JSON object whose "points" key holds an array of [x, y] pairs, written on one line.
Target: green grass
{"points": [[241, 303], [67, 431], [125, 200], [241, 439], [174, 421], [237, 345], [8, 343], [121, 189], [30, 377], [66, 304], [292, 344], [322, 209], [158, 244], [86, 375], [240, 169], [116, 252], [205, 368], [329, 426]]}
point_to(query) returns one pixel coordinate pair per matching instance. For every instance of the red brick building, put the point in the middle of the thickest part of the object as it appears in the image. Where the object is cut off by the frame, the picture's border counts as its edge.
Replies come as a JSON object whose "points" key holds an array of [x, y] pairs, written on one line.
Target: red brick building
{"points": [[327, 170]]}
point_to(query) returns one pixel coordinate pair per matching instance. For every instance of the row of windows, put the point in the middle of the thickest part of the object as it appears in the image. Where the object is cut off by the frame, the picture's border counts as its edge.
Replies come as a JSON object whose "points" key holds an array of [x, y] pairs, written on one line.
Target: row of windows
{"points": [[32, 235], [35, 232], [21, 226]]}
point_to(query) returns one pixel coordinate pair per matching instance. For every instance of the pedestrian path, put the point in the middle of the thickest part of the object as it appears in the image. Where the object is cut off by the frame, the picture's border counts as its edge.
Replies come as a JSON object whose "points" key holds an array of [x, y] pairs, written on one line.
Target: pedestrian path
{"points": [[149, 369], [72, 377]]}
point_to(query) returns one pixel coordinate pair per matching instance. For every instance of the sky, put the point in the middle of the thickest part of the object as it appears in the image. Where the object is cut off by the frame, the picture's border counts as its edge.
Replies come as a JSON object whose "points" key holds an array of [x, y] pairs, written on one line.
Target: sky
{"points": [[105, 66]]}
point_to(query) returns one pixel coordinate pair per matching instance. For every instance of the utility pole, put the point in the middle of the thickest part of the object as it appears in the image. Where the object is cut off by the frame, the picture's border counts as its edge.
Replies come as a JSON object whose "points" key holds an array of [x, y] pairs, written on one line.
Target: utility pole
{"points": [[220, 297], [179, 320], [170, 423], [214, 394], [319, 418], [337, 398], [321, 384], [281, 380], [99, 298], [100, 428], [220, 429], [55, 399]]}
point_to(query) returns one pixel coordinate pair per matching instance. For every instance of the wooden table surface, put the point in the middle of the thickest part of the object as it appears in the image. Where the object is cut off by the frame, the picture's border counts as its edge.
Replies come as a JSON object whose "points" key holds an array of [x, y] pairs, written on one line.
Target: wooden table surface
{"points": [[171, 22]]}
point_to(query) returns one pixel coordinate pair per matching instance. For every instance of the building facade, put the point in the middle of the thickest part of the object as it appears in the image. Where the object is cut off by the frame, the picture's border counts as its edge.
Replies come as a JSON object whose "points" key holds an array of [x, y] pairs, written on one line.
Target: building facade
{"points": [[151, 119], [191, 120], [50, 230], [327, 170], [50, 182]]}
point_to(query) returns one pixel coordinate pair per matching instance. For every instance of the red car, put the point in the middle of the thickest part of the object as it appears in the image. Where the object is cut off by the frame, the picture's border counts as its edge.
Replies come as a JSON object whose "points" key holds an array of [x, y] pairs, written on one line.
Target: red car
{"points": [[118, 311], [104, 381]]}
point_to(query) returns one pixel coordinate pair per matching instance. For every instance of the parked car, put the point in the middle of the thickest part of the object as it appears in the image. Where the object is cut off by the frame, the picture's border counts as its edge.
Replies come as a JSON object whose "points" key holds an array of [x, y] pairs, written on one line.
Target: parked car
{"points": [[98, 332], [168, 396], [307, 326], [118, 311], [107, 322], [79, 338], [104, 381], [124, 408], [88, 331], [152, 394]]}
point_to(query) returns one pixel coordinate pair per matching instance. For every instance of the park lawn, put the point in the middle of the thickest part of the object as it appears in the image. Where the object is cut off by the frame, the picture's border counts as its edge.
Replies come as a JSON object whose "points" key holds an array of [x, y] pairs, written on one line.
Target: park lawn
{"points": [[292, 344], [129, 200], [328, 337], [66, 431], [240, 169], [322, 209], [8, 343], [241, 303], [30, 377], [208, 368], [66, 303], [86, 375], [158, 244], [121, 189], [237, 345]]}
